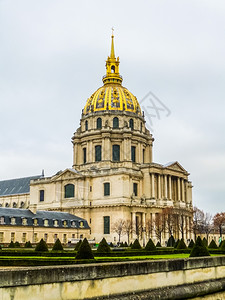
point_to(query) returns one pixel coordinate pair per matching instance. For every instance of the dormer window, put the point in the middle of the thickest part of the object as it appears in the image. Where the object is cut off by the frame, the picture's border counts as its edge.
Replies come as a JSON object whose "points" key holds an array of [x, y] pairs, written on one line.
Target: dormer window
{"points": [[24, 221], [46, 222], [13, 221], [64, 223], [2, 220], [73, 224], [56, 223], [81, 224], [35, 222]]}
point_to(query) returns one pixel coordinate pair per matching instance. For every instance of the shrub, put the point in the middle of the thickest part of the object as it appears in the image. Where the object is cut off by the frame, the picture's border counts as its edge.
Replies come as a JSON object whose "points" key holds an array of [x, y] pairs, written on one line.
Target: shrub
{"points": [[11, 245], [125, 244], [28, 245], [131, 244], [150, 246], [136, 245], [158, 245], [84, 251], [41, 246], [213, 245], [111, 245], [176, 243], [199, 249], [57, 246], [205, 242], [77, 246], [103, 247], [17, 244], [222, 246], [181, 244], [171, 241], [191, 244]]}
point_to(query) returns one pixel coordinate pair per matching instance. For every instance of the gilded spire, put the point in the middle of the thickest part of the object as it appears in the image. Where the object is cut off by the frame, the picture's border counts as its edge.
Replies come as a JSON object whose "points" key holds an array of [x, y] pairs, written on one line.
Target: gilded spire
{"points": [[112, 55], [112, 67]]}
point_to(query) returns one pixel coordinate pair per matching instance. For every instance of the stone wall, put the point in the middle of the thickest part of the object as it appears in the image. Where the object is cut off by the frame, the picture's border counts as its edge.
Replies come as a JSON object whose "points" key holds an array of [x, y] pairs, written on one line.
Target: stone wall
{"points": [[167, 279]]}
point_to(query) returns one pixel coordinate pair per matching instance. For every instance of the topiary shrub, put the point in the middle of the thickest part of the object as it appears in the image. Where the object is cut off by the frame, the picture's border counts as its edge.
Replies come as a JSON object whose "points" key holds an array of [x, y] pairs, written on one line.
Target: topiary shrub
{"points": [[103, 247], [222, 246], [136, 245], [11, 245], [158, 245], [212, 245], [77, 246], [199, 249], [131, 244], [84, 251], [205, 242], [171, 241], [176, 243], [57, 246], [111, 245], [181, 244], [191, 244], [41, 246], [28, 245], [150, 246], [17, 245], [125, 244]]}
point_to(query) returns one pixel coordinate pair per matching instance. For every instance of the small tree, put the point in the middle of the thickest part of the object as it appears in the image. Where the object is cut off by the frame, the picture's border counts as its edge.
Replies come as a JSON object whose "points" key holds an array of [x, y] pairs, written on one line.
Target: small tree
{"points": [[17, 244], [205, 242], [103, 247], [171, 241], [150, 246], [158, 245], [199, 249], [176, 243], [11, 245], [181, 244], [136, 245], [84, 251], [127, 229], [41, 246], [219, 221], [212, 245], [125, 244], [77, 246], [191, 244], [222, 246], [28, 245], [57, 246], [118, 227]]}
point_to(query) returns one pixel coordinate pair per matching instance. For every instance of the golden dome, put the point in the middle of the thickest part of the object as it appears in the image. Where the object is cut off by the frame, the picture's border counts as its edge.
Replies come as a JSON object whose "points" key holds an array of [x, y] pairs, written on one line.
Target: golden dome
{"points": [[112, 96]]}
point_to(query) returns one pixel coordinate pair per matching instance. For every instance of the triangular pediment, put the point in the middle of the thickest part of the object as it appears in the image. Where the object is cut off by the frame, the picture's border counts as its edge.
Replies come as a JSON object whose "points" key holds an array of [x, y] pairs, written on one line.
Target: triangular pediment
{"points": [[175, 166], [66, 174]]}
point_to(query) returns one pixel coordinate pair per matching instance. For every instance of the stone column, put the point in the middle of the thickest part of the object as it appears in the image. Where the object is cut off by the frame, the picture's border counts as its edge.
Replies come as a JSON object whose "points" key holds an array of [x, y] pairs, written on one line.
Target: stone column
{"points": [[153, 231], [178, 188], [133, 225], [165, 186], [103, 149], [170, 188], [144, 228], [153, 185], [90, 151], [159, 186], [182, 188]]}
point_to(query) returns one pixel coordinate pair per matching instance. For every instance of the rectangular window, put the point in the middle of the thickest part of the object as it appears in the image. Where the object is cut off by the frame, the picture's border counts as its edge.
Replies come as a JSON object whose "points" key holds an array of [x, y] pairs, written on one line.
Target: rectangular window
{"points": [[1, 237], [35, 237], [98, 153], [24, 238], [42, 195], [116, 153], [46, 237], [64, 238], [106, 225], [84, 155], [73, 235], [106, 189], [13, 236], [143, 156], [135, 189], [133, 153], [55, 237]]}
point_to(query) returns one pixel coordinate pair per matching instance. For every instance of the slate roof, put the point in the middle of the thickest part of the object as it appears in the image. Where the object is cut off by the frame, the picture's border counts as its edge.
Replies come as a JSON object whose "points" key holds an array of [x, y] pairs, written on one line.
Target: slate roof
{"points": [[16, 186], [19, 214]]}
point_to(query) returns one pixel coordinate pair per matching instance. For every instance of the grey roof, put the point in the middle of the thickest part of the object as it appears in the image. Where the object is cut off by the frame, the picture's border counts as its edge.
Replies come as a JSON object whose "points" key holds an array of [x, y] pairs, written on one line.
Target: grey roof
{"points": [[16, 186], [40, 215]]}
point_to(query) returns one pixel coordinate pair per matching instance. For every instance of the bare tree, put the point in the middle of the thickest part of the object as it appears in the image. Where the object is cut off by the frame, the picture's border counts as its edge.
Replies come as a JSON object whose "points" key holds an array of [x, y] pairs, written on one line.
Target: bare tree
{"points": [[198, 219], [127, 230], [207, 224], [180, 216], [169, 217], [118, 227], [219, 222], [159, 226], [149, 227]]}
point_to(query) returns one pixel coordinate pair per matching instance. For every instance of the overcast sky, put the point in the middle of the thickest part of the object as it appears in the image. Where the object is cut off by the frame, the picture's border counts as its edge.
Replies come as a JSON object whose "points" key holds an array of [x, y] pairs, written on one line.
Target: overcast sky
{"points": [[52, 58]]}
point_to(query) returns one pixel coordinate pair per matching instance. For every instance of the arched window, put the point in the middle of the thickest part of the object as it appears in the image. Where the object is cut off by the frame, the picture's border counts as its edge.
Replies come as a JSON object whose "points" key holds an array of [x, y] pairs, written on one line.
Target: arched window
{"points": [[131, 124], [84, 155], [113, 69], [115, 122], [98, 153], [69, 191], [116, 153], [24, 221], [86, 125], [99, 123]]}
